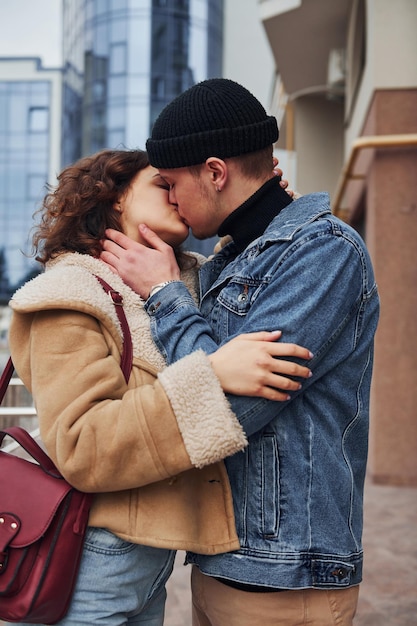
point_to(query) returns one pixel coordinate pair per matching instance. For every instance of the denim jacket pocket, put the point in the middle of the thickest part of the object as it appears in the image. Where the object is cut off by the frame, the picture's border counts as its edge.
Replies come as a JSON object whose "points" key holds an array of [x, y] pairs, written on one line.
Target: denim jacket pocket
{"points": [[270, 486], [239, 296]]}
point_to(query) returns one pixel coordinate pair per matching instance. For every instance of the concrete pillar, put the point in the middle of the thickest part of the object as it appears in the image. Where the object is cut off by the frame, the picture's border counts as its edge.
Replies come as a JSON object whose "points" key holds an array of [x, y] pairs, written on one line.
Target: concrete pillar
{"points": [[391, 235]]}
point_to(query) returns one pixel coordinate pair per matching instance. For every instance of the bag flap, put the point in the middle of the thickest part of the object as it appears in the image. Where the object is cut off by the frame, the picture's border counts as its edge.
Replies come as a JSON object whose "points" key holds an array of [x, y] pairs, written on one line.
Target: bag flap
{"points": [[30, 494]]}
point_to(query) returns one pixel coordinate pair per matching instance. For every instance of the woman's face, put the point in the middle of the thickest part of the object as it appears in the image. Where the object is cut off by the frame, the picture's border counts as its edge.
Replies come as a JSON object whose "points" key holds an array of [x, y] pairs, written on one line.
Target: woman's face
{"points": [[146, 202]]}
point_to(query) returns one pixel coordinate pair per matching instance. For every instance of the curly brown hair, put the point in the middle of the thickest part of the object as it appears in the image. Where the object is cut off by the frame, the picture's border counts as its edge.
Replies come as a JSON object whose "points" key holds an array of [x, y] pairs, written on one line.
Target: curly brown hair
{"points": [[75, 214]]}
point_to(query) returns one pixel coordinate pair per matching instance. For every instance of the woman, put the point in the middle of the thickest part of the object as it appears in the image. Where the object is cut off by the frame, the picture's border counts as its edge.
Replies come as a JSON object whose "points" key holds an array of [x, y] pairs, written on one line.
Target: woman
{"points": [[136, 445]]}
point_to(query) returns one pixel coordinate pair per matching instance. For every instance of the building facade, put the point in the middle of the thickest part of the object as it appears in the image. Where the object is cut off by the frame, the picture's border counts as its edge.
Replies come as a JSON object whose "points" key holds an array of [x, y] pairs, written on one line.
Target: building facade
{"points": [[30, 124], [346, 97]]}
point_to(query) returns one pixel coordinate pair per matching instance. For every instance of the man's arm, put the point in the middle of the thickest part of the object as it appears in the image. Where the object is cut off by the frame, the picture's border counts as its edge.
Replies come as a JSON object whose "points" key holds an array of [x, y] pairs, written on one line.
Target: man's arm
{"points": [[311, 305]]}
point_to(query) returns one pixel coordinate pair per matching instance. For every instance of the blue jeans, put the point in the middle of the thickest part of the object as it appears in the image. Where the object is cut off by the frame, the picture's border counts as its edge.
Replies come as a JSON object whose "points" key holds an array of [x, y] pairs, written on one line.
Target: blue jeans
{"points": [[119, 583]]}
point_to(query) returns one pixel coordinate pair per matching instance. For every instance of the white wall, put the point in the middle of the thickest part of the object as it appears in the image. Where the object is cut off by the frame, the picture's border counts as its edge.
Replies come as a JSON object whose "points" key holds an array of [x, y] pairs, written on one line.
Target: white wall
{"points": [[393, 43], [247, 55], [248, 60]]}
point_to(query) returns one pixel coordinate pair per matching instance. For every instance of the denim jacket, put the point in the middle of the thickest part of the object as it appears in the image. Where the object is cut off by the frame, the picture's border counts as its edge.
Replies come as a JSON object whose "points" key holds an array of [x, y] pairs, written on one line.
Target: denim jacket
{"points": [[298, 486]]}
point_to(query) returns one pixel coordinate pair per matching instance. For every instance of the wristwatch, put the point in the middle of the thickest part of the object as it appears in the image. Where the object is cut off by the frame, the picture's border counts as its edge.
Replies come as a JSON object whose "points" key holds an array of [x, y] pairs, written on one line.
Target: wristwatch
{"points": [[159, 286]]}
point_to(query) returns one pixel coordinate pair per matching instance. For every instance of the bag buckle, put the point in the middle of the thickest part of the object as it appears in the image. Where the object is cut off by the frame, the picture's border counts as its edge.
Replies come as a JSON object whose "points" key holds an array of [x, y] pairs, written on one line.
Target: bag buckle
{"points": [[9, 527], [115, 297]]}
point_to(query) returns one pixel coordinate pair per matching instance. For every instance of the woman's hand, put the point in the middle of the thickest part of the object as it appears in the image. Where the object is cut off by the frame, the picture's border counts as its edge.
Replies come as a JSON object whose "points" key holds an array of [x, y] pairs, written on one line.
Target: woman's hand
{"points": [[141, 267], [277, 171], [248, 366]]}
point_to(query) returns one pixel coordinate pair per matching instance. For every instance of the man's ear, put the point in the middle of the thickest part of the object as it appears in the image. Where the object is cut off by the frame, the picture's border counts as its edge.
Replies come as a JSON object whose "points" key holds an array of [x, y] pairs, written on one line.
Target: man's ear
{"points": [[217, 171]]}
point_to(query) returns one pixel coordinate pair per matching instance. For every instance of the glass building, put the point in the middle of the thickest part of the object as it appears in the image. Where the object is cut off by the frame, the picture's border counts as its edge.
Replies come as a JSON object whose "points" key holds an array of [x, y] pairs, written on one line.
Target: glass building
{"points": [[27, 136], [124, 60]]}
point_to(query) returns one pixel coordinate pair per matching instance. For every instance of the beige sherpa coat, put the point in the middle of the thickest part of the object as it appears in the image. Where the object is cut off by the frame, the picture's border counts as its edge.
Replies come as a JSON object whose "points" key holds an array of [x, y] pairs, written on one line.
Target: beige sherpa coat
{"points": [[136, 446]]}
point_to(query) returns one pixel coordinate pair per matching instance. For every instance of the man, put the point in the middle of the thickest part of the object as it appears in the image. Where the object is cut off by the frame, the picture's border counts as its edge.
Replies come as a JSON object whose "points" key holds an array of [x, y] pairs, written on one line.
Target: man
{"points": [[298, 487]]}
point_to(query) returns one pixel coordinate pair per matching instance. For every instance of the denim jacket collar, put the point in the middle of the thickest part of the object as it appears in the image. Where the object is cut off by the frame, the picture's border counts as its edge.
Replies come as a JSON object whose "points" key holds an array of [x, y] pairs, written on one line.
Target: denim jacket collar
{"points": [[283, 227], [288, 221], [295, 216]]}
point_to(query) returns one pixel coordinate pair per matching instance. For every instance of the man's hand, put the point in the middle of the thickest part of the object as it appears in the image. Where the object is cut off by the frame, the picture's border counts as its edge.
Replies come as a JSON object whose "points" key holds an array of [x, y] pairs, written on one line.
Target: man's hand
{"points": [[141, 267]]}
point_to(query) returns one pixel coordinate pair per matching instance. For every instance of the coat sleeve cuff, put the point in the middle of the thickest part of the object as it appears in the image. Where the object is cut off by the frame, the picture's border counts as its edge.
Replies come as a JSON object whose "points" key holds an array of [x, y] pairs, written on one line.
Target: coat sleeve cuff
{"points": [[209, 427]]}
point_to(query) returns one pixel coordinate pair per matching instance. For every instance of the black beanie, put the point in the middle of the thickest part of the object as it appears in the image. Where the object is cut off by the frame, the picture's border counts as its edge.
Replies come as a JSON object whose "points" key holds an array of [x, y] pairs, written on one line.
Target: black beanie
{"points": [[216, 117]]}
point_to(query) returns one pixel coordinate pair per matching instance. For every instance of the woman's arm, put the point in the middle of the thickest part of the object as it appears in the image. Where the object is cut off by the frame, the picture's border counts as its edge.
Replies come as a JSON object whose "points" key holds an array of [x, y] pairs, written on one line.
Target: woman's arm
{"points": [[103, 434]]}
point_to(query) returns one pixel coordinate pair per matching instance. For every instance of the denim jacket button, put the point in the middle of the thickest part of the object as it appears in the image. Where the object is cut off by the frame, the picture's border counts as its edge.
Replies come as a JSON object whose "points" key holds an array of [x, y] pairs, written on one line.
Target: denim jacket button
{"points": [[153, 308], [340, 573]]}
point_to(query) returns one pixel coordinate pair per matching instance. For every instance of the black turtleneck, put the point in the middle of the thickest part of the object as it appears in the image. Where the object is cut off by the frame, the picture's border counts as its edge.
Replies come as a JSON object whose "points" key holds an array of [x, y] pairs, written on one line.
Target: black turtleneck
{"points": [[250, 220]]}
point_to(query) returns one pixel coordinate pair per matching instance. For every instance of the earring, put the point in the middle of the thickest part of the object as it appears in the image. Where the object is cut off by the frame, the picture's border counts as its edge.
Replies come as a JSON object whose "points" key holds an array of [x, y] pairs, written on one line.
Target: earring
{"points": [[218, 189]]}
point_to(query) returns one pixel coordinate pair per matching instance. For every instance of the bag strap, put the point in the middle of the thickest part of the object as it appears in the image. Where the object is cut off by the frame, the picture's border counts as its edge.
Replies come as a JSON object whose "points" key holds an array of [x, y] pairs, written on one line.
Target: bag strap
{"points": [[127, 354], [5, 378], [29, 444], [19, 434]]}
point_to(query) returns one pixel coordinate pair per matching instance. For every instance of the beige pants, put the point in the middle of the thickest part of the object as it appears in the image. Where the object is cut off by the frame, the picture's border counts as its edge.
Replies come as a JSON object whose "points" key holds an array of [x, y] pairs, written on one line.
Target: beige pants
{"points": [[215, 604]]}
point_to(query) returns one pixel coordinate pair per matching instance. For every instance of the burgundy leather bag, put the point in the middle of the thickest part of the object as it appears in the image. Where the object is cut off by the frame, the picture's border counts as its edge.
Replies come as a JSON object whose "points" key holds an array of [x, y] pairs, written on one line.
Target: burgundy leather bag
{"points": [[43, 520]]}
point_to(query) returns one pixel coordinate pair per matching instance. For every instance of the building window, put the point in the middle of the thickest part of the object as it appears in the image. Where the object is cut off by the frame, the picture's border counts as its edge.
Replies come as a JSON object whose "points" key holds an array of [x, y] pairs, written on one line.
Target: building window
{"points": [[158, 87], [116, 138], [117, 88], [100, 7], [35, 186], [118, 58], [118, 30], [98, 90], [38, 121], [116, 116], [117, 5]]}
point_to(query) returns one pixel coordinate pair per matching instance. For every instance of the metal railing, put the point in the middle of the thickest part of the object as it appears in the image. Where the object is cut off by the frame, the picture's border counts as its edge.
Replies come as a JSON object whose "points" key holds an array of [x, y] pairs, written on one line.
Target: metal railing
{"points": [[18, 411], [371, 141]]}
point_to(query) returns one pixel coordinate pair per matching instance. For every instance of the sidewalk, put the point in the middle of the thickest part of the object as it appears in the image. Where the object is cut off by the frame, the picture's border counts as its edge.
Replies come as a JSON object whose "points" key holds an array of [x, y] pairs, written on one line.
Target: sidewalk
{"points": [[388, 594]]}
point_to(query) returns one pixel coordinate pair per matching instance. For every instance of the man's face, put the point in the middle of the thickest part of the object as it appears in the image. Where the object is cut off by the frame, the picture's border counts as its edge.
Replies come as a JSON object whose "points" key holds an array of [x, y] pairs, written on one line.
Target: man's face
{"points": [[196, 200]]}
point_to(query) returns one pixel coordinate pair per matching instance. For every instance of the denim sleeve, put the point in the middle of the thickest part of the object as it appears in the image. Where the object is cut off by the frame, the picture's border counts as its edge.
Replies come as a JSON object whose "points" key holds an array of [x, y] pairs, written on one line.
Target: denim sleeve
{"points": [[315, 298]]}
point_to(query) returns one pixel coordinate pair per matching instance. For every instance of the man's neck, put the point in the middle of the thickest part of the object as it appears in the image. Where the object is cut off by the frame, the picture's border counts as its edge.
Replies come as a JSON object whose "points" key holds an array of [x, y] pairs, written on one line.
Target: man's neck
{"points": [[255, 213], [242, 189]]}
